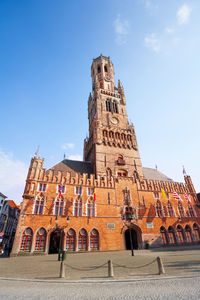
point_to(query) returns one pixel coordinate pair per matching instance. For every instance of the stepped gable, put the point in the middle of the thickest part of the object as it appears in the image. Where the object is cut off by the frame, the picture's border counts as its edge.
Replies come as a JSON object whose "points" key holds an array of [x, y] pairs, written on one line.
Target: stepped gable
{"points": [[74, 166], [153, 174]]}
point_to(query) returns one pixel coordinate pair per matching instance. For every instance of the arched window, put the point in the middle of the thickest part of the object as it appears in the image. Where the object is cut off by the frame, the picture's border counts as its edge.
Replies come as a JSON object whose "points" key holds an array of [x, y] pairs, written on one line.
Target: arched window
{"points": [[94, 240], [82, 240], [196, 232], [27, 240], [191, 210], [171, 235], [71, 240], [122, 173], [78, 207], [180, 234], [59, 206], [159, 209], [105, 68], [181, 209], [170, 209], [163, 235], [108, 105], [99, 69], [188, 234], [39, 204], [90, 208], [115, 107], [40, 242], [108, 172]]}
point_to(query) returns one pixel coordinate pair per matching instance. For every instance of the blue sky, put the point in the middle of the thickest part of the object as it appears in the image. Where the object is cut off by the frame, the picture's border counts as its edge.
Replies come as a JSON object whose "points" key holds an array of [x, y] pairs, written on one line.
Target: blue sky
{"points": [[46, 50]]}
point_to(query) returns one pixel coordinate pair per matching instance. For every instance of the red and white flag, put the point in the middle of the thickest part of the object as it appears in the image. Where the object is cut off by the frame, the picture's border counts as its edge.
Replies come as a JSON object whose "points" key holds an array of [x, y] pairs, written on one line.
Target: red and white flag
{"points": [[176, 196], [187, 197]]}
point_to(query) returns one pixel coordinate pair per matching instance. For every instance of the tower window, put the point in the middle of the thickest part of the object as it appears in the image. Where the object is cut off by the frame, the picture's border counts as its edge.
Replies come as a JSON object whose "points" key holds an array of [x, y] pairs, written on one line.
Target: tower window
{"points": [[115, 107], [99, 69], [105, 69], [108, 105]]}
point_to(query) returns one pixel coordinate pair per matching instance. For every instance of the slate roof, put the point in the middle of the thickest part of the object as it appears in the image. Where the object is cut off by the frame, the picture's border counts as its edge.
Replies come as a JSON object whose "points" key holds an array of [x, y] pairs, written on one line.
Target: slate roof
{"points": [[154, 174], [2, 195], [74, 166]]}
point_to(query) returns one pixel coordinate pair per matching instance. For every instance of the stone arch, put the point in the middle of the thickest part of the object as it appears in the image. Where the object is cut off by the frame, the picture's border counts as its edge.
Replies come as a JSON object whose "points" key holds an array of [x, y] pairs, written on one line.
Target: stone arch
{"points": [[133, 231]]}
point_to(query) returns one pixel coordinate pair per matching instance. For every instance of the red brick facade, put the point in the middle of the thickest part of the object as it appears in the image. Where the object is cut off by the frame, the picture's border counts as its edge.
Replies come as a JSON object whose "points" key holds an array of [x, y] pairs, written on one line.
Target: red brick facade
{"points": [[59, 211]]}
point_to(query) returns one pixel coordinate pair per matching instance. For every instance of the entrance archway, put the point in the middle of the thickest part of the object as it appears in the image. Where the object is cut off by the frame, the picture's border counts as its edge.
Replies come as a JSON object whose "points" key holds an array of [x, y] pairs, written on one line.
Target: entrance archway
{"points": [[54, 244], [131, 234]]}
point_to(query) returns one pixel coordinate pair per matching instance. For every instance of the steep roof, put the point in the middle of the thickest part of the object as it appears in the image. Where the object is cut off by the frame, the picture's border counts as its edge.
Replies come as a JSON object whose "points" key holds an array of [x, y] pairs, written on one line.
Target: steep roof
{"points": [[2, 195], [13, 204], [74, 166], [154, 174]]}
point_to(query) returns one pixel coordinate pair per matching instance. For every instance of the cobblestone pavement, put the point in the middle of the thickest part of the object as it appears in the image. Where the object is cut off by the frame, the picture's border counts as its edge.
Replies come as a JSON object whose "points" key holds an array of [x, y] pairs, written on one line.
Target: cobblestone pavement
{"points": [[177, 261], [176, 288]]}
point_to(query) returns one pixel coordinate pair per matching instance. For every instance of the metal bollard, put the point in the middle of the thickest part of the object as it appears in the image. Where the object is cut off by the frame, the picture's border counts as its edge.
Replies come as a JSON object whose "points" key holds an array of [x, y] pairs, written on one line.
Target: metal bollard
{"points": [[161, 269], [110, 269], [62, 269]]}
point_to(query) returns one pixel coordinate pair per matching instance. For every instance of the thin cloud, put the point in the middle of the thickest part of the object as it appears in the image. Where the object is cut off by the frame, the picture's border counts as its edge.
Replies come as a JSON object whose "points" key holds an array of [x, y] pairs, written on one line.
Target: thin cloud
{"points": [[152, 42], [169, 30], [66, 146], [121, 29], [13, 174], [183, 14]]}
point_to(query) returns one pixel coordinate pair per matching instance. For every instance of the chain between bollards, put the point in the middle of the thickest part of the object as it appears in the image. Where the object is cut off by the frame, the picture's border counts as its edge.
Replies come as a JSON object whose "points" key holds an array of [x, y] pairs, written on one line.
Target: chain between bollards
{"points": [[110, 269]]}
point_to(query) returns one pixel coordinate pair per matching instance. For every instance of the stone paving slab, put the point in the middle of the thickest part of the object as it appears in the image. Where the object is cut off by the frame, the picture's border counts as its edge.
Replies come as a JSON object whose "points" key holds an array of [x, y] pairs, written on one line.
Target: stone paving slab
{"points": [[77, 266]]}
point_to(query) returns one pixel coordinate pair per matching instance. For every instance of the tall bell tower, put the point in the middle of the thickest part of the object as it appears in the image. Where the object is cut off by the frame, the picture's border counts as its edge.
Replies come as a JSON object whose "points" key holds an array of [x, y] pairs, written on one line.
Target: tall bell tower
{"points": [[112, 146]]}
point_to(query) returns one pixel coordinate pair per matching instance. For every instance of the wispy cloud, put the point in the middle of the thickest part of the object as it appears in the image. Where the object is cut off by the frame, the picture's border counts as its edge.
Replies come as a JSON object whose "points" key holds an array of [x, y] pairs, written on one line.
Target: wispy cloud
{"points": [[169, 30], [183, 14], [13, 174], [75, 157], [152, 42], [121, 29], [66, 146]]}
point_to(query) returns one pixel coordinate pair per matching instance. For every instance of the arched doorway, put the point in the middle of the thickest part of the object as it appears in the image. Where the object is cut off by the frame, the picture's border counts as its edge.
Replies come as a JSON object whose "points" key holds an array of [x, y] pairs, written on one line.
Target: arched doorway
{"points": [[55, 241], [131, 234]]}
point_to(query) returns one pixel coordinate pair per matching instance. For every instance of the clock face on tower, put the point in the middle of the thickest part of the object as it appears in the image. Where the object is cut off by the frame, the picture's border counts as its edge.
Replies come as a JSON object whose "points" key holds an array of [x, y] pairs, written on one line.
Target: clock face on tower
{"points": [[114, 120]]}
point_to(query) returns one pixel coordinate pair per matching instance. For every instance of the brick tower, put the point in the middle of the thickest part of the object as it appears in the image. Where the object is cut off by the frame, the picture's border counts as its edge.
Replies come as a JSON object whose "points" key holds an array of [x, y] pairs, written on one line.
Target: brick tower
{"points": [[112, 146]]}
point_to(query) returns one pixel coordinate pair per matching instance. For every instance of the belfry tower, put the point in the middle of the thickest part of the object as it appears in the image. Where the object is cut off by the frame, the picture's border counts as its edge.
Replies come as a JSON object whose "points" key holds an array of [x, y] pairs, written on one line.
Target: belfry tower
{"points": [[112, 146]]}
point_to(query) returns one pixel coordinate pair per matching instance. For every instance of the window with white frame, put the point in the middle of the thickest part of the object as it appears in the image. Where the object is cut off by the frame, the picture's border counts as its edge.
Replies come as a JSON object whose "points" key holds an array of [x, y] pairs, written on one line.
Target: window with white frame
{"points": [[42, 187], [78, 190], [90, 191], [156, 195], [59, 206], [39, 205], [61, 189], [159, 209], [90, 208], [77, 208], [191, 211]]}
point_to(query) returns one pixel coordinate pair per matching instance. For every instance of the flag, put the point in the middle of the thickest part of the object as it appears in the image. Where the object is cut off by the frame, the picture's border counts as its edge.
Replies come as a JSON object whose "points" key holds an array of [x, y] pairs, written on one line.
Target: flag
{"points": [[36, 153], [176, 196], [94, 194], [60, 190], [187, 197], [163, 194], [184, 172]]}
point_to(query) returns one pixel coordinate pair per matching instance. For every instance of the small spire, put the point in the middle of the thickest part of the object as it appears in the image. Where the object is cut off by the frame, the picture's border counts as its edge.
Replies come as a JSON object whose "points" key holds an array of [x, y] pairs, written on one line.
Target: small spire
{"points": [[156, 167], [64, 156]]}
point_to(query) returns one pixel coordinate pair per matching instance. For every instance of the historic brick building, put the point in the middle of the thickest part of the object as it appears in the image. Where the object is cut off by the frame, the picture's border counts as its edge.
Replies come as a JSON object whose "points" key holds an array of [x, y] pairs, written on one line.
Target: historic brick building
{"points": [[107, 201]]}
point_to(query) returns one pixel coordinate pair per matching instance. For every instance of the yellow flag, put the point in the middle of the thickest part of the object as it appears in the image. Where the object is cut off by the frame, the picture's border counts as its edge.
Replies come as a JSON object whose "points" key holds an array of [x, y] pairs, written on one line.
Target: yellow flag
{"points": [[163, 194]]}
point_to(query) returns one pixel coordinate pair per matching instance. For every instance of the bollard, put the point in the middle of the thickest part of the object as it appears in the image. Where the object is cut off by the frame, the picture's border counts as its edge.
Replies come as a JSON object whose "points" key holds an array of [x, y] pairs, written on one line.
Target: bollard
{"points": [[62, 269], [110, 269], [161, 269]]}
